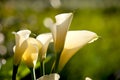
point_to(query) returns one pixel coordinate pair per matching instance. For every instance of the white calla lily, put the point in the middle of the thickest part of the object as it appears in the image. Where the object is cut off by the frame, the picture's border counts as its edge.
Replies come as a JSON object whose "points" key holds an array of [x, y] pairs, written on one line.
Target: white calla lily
{"points": [[53, 76], [59, 30], [67, 43], [19, 48], [44, 39], [30, 55], [74, 41]]}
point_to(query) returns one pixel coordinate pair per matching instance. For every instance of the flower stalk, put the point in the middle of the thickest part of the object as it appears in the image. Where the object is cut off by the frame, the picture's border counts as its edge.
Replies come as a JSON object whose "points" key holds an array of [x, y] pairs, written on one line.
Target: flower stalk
{"points": [[42, 68], [56, 64], [33, 76], [15, 68]]}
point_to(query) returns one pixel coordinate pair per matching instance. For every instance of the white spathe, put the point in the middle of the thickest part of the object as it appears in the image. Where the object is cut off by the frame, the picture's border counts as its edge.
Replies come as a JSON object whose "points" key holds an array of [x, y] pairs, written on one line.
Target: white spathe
{"points": [[20, 36], [67, 43], [30, 55], [59, 29], [75, 40], [45, 40], [19, 48]]}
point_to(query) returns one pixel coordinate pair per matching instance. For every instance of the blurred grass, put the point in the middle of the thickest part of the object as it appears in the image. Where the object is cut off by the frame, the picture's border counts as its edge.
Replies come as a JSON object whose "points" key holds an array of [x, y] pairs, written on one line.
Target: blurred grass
{"points": [[99, 60]]}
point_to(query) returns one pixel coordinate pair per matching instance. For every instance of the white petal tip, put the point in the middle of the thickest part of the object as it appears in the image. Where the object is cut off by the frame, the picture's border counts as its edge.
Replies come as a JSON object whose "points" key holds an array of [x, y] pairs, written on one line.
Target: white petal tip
{"points": [[87, 78], [60, 18], [94, 39], [24, 31], [43, 38]]}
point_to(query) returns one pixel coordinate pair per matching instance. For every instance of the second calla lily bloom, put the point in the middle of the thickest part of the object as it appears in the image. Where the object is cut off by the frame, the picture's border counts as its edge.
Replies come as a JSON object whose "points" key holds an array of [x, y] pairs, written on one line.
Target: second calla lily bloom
{"points": [[74, 41], [44, 39], [67, 43], [19, 48], [30, 55], [59, 30]]}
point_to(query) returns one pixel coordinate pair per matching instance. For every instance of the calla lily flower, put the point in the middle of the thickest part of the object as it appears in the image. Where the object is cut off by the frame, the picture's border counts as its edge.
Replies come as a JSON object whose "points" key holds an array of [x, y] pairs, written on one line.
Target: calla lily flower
{"points": [[44, 39], [59, 29], [30, 55], [75, 40], [19, 48], [67, 43]]}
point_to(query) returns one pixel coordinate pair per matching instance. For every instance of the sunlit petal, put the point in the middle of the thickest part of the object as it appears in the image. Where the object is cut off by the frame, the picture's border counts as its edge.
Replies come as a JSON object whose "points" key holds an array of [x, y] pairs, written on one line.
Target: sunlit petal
{"points": [[19, 48], [44, 39], [63, 18], [74, 41], [20, 36], [60, 28], [63, 22], [19, 52], [30, 55]]}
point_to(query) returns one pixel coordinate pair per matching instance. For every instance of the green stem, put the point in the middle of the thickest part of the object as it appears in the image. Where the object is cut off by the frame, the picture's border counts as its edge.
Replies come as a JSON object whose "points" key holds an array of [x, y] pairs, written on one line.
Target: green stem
{"points": [[42, 68], [33, 73], [15, 68], [57, 58]]}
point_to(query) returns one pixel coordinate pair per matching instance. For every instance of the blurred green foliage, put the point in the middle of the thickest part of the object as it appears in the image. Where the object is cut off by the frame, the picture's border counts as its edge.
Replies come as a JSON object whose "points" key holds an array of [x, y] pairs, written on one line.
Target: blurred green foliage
{"points": [[99, 60]]}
